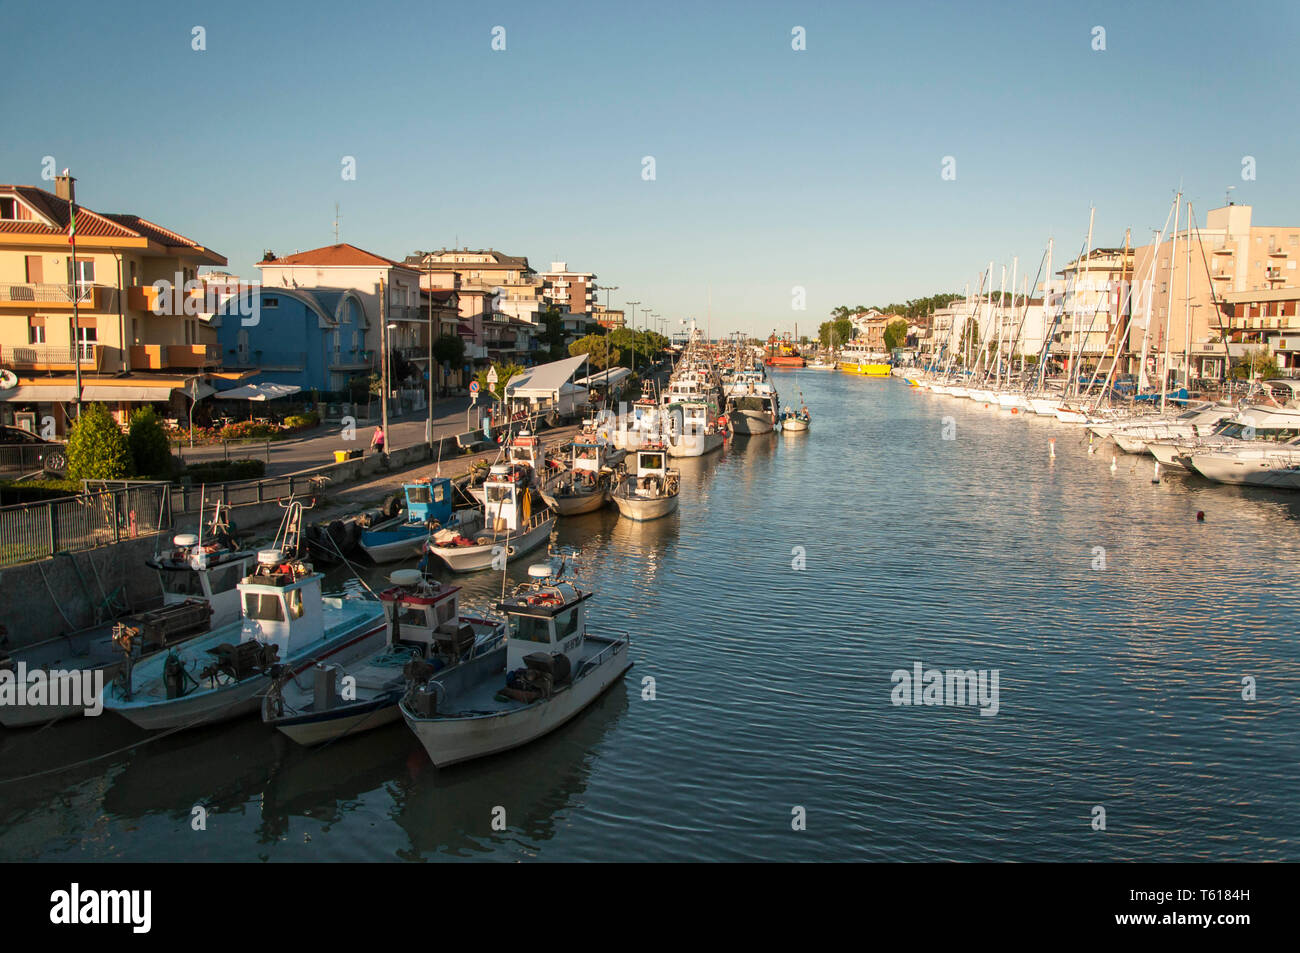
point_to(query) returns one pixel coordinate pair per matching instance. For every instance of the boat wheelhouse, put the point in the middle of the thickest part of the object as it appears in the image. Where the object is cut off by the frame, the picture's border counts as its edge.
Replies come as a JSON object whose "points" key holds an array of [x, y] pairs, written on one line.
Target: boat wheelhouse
{"points": [[428, 507], [648, 489], [514, 519]]}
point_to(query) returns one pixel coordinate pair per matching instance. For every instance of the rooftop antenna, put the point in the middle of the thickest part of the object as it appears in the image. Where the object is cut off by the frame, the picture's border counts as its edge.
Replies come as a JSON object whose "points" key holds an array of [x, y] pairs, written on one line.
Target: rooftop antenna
{"points": [[1228, 195], [336, 223]]}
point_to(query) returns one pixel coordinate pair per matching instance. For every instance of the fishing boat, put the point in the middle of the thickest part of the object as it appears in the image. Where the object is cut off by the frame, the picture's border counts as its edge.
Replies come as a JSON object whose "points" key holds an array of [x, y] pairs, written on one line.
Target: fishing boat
{"points": [[428, 506], [752, 403], [782, 352], [648, 490], [585, 485], [205, 565], [548, 671], [795, 421], [99, 653], [287, 622], [508, 524], [524, 449], [427, 635]]}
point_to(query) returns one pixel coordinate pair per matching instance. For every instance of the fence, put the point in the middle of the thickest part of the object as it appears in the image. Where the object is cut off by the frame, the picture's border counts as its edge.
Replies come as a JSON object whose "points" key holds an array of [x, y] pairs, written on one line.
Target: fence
{"points": [[30, 531]]}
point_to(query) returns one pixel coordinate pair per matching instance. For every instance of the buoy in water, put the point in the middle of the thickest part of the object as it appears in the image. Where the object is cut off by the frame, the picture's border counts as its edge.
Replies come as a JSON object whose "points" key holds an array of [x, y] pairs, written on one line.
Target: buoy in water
{"points": [[1200, 516], [1114, 464], [1155, 476], [1051, 448]]}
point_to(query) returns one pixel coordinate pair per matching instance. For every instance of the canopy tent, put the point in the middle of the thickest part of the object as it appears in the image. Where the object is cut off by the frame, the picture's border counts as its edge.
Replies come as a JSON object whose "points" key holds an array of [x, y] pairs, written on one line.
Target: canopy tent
{"points": [[259, 392], [544, 380], [604, 378]]}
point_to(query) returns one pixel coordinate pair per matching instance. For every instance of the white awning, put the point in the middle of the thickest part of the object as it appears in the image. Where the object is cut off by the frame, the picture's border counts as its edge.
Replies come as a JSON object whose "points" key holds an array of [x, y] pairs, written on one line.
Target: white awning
{"points": [[259, 392], [601, 378], [34, 394], [544, 380], [135, 395]]}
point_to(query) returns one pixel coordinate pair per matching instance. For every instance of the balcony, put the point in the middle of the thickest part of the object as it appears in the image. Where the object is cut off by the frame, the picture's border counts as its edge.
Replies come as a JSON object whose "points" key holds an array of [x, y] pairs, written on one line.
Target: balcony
{"points": [[146, 298], [156, 357], [49, 356], [87, 297]]}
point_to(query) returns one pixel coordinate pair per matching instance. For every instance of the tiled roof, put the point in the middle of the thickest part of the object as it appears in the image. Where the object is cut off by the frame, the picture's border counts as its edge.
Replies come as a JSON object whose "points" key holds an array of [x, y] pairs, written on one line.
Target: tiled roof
{"points": [[341, 255], [91, 224]]}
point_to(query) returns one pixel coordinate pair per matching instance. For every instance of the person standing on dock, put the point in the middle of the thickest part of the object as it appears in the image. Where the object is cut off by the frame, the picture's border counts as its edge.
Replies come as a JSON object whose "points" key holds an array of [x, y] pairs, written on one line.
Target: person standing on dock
{"points": [[377, 441]]}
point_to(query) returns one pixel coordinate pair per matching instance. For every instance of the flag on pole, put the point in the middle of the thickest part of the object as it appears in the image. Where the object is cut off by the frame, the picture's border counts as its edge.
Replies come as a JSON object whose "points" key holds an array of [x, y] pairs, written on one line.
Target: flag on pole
{"points": [[72, 224]]}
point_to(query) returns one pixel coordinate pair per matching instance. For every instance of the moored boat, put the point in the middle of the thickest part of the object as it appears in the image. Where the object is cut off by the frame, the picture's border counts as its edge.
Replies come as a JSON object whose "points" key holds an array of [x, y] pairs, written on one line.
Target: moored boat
{"points": [[648, 489], [548, 671]]}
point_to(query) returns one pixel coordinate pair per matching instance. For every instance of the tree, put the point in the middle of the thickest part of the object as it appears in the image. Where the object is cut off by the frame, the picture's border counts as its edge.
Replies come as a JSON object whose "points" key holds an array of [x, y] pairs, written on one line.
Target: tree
{"points": [[895, 334], [597, 348], [449, 349], [552, 335], [1255, 364], [504, 373], [97, 448], [151, 451]]}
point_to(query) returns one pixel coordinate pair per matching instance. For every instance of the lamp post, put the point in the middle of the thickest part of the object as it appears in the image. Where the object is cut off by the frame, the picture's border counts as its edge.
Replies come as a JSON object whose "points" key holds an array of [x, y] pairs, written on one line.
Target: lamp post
{"points": [[632, 305]]}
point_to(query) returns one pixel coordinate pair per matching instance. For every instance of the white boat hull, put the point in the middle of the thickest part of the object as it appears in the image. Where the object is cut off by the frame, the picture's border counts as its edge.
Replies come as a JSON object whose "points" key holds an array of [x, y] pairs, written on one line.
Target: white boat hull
{"points": [[694, 444], [576, 505], [450, 741], [476, 558], [645, 508]]}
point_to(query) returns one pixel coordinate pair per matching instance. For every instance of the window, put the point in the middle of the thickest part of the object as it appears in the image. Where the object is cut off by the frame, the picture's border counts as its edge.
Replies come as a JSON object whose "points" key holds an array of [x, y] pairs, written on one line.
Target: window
{"points": [[499, 494], [530, 628], [270, 302], [182, 582], [35, 332], [241, 346], [8, 209], [263, 607], [566, 624], [294, 598]]}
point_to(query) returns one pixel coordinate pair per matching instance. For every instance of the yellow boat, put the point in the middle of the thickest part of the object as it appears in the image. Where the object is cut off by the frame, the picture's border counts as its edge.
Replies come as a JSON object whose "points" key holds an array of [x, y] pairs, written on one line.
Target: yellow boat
{"points": [[856, 359]]}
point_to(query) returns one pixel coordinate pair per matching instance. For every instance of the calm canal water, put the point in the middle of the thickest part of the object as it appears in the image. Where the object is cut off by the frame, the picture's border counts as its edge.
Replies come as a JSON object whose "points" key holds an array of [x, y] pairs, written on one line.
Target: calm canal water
{"points": [[1119, 687]]}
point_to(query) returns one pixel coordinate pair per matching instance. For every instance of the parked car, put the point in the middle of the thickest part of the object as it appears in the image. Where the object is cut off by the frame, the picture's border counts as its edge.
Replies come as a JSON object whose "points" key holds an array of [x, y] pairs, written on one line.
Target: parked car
{"points": [[22, 451]]}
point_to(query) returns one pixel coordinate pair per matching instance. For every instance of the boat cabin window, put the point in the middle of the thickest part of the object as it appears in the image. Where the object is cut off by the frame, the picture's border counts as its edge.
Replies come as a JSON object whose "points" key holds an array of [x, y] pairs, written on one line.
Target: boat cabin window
{"points": [[439, 493], [530, 628], [566, 624], [263, 606], [294, 598], [411, 615], [225, 578], [446, 611], [181, 582], [499, 494], [652, 461], [418, 494]]}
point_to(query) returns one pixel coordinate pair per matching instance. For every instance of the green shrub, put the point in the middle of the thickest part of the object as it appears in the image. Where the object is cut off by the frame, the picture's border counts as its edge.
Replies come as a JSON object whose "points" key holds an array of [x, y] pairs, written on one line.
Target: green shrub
{"points": [[150, 449], [97, 448], [302, 421], [31, 491], [226, 471]]}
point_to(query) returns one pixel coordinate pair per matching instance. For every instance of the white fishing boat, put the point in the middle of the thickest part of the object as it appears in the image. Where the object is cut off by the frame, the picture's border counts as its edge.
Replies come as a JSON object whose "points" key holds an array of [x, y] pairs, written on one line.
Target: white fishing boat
{"points": [[753, 403], [648, 490], [205, 565], [427, 635], [585, 485], [509, 524], [287, 623], [796, 421], [549, 670]]}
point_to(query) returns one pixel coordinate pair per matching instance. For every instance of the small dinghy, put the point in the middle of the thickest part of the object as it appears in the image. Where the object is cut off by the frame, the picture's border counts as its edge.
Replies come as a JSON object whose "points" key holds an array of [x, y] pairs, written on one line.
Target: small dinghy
{"points": [[648, 490], [548, 671], [427, 636], [793, 421]]}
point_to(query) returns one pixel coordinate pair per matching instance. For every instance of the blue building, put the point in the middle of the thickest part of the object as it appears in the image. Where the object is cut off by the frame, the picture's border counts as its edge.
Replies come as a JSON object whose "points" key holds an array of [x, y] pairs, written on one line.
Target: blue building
{"points": [[315, 338]]}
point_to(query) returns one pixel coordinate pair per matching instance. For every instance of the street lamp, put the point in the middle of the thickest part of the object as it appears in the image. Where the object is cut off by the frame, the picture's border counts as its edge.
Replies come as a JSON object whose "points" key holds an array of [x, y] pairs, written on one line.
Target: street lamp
{"points": [[632, 305]]}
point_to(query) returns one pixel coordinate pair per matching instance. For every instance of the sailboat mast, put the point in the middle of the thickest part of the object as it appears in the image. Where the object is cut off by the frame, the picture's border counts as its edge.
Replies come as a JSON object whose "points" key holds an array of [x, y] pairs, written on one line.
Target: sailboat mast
{"points": [[1169, 302]]}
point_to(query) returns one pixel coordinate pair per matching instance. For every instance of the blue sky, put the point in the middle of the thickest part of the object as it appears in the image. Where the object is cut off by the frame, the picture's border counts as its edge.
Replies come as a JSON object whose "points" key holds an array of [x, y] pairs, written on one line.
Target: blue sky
{"points": [[774, 168]]}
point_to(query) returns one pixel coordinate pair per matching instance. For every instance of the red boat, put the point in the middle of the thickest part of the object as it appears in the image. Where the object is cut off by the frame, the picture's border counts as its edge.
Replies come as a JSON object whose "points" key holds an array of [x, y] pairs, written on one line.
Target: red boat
{"points": [[782, 353]]}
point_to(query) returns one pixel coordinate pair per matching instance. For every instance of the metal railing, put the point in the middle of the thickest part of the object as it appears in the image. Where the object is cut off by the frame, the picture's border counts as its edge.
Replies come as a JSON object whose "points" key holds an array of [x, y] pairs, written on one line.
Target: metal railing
{"points": [[30, 457], [35, 291], [48, 354], [31, 531]]}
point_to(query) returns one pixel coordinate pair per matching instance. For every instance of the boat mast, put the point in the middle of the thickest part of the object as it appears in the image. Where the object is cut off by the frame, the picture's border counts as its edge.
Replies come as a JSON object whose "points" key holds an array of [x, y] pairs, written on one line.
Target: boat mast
{"points": [[1169, 302]]}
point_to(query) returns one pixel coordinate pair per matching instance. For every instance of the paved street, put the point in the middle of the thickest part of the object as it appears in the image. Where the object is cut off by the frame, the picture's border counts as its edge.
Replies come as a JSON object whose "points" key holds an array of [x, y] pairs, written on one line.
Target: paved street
{"points": [[317, 446]]}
